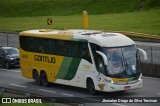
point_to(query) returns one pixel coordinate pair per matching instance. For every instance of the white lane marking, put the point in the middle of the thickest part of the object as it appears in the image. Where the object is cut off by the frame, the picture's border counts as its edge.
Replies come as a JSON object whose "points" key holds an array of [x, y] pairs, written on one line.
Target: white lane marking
{"points": [[10, 70], [67, 94], [151, 78], [47, 91], [18, 85], [14, 71], [93, 99], [158, 93], [119, 104]]}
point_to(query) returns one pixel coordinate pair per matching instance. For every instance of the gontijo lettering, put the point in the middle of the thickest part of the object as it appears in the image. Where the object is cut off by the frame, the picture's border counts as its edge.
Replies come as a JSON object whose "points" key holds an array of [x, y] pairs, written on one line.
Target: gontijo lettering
{"points": [[44, 59]]}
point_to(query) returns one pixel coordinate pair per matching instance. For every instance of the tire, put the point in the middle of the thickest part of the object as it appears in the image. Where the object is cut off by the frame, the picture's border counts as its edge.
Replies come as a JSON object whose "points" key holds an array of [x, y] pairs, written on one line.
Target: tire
{"points": [[44, 79], [37, 78], [91, 87], [7, 65]]}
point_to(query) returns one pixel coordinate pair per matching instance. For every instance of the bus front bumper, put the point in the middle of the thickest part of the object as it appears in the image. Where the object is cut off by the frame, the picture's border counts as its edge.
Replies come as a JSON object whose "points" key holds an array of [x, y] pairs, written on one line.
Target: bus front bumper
{"points": [[113, 87]]}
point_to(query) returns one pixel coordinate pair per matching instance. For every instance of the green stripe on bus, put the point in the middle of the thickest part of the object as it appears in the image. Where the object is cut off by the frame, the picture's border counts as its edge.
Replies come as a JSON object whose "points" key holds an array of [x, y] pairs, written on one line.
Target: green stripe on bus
{"points": [[64, 67], [72, 69], [134, 78]]}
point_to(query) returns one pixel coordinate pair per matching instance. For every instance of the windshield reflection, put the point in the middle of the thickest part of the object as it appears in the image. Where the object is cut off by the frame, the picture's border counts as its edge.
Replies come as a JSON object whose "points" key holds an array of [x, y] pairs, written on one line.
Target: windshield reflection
{"points": [[11, 51], [122, 62]]}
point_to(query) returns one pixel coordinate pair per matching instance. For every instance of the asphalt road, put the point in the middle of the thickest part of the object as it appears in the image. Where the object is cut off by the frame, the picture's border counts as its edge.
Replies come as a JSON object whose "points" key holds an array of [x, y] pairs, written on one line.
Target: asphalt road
{"points": [[12, 79]]}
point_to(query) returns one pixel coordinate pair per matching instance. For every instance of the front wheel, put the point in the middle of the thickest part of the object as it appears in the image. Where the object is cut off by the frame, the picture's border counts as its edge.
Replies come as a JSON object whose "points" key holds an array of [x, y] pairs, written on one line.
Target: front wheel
{"points": [[91, 87]]}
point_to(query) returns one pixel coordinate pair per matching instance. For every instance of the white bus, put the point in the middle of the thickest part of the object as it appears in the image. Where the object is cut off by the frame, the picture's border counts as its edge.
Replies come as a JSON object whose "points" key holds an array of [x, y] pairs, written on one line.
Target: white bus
{"points": [[96, 60]]}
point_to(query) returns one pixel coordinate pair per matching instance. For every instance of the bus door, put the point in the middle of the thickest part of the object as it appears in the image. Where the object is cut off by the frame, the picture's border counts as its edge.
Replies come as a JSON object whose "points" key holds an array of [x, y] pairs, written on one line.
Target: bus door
{"points": [[101, 71]]}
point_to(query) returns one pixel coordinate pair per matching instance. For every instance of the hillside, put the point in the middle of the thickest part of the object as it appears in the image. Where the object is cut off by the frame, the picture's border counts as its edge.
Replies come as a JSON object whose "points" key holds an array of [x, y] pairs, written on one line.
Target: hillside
{"points": [[23, 8]]}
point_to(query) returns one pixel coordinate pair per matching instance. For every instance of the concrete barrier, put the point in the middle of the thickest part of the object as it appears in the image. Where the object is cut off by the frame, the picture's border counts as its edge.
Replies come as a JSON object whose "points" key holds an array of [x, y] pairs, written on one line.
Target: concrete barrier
{"points": [[152, 70]]}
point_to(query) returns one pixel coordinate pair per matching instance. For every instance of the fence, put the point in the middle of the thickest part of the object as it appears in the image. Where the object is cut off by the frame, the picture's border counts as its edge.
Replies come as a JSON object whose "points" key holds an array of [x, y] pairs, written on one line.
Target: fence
{"points": [[19, 96], [153, 52], [9, 39]]}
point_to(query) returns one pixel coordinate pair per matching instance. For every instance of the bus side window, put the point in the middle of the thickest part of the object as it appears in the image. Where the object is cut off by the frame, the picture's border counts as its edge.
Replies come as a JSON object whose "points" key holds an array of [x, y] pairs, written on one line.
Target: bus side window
{"points": [[62, 48], [95, 48], [51, 46], [41, 46], [73, 49], [100, 64], [84, 52], [97, 58]]}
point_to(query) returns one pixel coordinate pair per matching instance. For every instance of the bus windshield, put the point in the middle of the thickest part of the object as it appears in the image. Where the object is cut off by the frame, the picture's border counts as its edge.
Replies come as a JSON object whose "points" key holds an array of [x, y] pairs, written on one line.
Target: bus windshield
{"points": [[123, 61]]}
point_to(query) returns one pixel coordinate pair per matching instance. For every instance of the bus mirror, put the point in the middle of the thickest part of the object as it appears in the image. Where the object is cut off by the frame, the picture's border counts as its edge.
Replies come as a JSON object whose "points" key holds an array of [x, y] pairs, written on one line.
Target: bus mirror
{"points": [[104, 57], [143, 53]]}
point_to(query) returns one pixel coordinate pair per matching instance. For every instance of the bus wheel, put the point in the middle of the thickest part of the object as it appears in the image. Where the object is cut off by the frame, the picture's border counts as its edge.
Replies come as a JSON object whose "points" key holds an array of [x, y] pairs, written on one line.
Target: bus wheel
{"points": [[90, 87], [44, 79], [37, 78]]}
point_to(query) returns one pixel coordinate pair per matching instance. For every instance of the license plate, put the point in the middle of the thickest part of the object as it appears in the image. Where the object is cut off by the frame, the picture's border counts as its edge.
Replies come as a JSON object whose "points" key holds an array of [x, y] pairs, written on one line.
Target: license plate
{"points": [[126, 87]]}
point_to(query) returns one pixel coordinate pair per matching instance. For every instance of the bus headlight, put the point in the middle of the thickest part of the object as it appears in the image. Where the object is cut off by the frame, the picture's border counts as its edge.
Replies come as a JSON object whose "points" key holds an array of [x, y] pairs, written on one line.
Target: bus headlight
{"points": [[109, 81], [140, 78]]}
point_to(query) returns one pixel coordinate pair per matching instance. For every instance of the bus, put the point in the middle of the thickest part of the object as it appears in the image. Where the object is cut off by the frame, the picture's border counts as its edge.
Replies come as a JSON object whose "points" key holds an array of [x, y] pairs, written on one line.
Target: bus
{"points": [[92, 59]]}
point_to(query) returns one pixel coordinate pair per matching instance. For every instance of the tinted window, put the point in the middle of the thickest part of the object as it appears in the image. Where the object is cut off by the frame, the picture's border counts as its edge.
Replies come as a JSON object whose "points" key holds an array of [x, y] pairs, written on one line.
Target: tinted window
{"points": [[84, 51], [55, 47], [62, 48], [73, 49], [11, 51]]}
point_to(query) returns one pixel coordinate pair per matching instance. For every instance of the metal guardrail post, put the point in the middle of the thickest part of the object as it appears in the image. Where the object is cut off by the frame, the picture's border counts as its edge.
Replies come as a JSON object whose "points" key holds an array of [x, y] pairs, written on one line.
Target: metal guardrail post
{"points": [[2, 90], [7, 38], [28, 94], [82, 105], [52, 101], [151, 55]]}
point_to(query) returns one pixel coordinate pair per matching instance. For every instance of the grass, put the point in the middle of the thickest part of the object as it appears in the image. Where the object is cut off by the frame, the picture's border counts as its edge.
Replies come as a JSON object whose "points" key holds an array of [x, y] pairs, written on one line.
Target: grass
{"points": [[24, 8], [143, 22], [19, 15], [16, 8]]}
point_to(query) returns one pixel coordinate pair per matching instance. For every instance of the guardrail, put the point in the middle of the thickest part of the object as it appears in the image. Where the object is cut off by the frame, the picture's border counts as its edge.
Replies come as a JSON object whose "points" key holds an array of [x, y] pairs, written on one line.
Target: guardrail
{"points": [[14, 93], [149, 36]]}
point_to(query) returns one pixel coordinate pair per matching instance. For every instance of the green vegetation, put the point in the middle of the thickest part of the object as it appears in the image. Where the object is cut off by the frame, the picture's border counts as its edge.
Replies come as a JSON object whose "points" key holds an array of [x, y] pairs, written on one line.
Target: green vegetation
{"points": [[19, 8], [19, 15], [143, 22]]}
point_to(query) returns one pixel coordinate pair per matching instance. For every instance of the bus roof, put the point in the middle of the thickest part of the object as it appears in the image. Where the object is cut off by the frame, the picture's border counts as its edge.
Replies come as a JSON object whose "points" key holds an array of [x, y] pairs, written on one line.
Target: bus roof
{"points": [[103, 39]]}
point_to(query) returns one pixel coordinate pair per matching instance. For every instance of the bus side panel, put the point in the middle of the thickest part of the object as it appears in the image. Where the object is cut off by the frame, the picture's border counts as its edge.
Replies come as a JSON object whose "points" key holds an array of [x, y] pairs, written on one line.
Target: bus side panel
{"points": [[40, 62], [26, 69], [80, 68]]}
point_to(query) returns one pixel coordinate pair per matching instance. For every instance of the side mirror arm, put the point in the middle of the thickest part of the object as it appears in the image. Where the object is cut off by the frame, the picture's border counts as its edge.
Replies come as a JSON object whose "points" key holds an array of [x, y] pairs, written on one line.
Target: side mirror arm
{"points": [[104, 57], [143, 52]]}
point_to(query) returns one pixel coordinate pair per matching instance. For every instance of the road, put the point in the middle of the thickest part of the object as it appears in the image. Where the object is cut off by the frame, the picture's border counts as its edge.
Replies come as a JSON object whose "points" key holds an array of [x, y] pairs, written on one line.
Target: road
{"points": [[12, 79]]}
